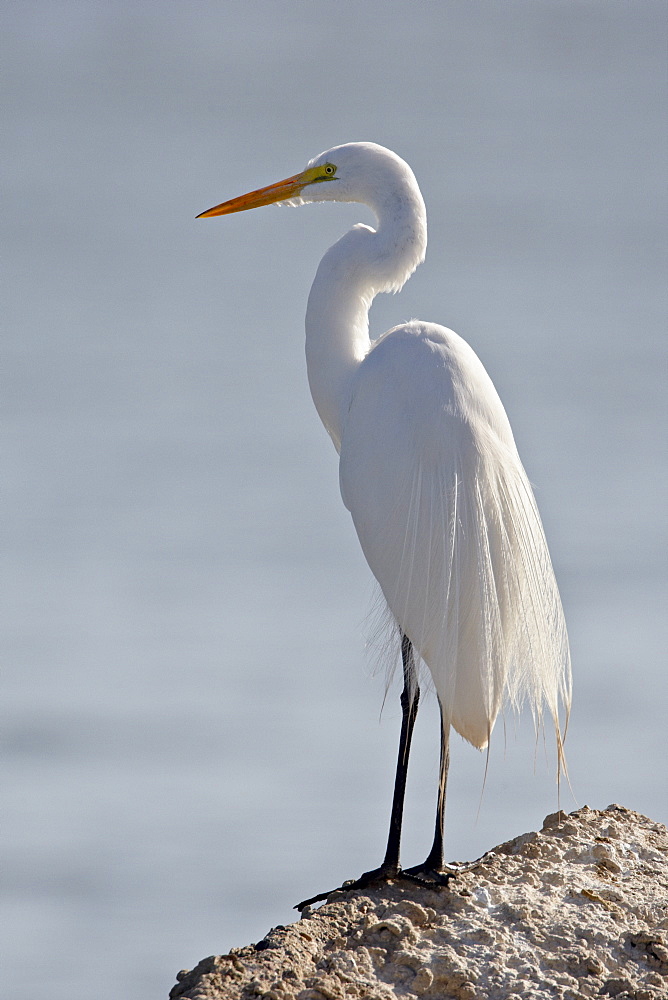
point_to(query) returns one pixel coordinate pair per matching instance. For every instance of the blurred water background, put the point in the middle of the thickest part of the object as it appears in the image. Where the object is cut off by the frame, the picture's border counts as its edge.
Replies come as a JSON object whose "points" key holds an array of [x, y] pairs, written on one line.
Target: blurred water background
{"points": [[193, 738]]}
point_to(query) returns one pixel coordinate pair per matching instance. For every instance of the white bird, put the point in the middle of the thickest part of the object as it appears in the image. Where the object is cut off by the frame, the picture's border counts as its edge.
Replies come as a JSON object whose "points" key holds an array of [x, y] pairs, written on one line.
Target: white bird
{"points": [[430, 473]]}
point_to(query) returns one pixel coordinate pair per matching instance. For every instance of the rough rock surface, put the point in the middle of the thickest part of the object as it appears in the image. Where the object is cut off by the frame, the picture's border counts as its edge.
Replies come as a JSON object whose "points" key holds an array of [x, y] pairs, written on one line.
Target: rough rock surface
{"points": [[577, 910]]}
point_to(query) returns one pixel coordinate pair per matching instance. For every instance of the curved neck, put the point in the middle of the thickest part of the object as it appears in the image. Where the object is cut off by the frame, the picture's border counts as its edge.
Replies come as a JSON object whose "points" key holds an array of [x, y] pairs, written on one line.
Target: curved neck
{"points": [[361, 264]]}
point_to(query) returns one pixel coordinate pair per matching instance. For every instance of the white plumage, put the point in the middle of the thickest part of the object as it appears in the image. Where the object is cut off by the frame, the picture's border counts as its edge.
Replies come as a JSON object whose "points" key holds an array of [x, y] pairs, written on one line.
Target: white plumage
{"points": [[448, 524], [430, 473]]}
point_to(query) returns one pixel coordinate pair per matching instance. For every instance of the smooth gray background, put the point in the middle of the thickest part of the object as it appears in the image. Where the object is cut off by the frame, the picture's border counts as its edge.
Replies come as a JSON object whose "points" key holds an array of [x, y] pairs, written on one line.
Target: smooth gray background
{"points": [[193, 729]]}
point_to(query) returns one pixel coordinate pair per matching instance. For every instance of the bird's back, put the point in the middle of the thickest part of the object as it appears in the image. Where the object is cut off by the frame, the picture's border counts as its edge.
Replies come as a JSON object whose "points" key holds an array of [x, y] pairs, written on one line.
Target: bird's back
{"points": [[449, 526]]}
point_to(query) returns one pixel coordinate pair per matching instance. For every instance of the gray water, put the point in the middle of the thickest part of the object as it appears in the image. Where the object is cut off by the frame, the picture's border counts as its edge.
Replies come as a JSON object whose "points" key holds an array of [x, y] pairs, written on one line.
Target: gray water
{"points": [[193, 730]]}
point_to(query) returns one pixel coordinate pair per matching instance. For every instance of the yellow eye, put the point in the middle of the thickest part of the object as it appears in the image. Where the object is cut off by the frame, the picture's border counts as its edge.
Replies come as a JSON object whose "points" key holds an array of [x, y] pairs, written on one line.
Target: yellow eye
{"points": [[329, 169]]}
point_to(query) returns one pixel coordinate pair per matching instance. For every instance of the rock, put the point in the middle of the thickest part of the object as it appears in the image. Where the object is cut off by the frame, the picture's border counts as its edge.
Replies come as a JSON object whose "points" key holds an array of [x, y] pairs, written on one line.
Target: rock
{"points": [[578, 910]]}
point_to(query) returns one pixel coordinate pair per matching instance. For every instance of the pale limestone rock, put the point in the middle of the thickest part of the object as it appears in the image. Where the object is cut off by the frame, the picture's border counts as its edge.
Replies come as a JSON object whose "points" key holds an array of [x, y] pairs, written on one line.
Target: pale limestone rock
{"points": [[578, 910]]}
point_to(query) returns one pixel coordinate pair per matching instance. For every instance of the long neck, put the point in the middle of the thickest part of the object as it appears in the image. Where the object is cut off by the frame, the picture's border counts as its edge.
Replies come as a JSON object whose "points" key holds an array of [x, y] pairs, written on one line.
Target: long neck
{"points": [[360, 264]]}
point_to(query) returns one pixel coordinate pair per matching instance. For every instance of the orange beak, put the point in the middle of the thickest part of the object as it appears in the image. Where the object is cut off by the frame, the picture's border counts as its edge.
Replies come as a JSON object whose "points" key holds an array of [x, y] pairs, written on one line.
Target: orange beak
{"points": [[291, 187]]}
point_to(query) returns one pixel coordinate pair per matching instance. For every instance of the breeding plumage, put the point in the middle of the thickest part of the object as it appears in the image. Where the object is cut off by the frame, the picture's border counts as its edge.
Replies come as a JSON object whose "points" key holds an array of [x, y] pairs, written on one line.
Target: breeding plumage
{"points": [[431, 476]]}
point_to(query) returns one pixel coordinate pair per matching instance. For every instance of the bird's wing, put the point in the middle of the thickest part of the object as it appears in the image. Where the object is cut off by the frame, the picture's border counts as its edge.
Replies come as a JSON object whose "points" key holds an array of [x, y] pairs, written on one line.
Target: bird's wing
{"points": [[449, 526]]}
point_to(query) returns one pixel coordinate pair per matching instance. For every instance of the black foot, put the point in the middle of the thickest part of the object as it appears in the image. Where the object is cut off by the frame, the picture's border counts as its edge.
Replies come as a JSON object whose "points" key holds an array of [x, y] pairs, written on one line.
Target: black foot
{"points": [[441, 873], [420, 876], [429, 875], [383, 874]]}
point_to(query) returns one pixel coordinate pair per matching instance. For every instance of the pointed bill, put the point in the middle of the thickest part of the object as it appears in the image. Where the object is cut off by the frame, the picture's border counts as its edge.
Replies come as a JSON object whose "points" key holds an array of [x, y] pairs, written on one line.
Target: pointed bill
{"points": [[291, 187]]}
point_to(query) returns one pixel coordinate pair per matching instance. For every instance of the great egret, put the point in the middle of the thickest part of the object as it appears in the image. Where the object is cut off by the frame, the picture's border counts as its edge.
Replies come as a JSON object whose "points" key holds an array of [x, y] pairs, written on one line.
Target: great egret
{"points": [[431, 476]]}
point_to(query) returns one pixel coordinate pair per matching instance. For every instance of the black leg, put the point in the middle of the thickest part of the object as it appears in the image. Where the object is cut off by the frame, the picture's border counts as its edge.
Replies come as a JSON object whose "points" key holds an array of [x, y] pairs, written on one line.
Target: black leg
{"points": [[433, 873], [434, 862], [410, 697]]}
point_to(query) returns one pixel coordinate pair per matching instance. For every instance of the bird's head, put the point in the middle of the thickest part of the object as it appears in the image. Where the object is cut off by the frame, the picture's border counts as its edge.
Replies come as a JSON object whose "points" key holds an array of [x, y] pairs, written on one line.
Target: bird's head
{"points": [[357, 171]]}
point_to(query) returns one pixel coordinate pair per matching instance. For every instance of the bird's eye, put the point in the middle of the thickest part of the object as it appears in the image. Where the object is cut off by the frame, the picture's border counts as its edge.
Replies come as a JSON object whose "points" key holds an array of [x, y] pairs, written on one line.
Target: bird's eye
{"points": [[330, 169]]}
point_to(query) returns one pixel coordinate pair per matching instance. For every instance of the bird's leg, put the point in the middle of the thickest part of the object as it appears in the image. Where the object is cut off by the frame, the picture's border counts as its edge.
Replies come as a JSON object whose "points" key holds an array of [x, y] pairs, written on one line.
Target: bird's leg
{"points": [[433, 867], [410, 697], [434, 861]]}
